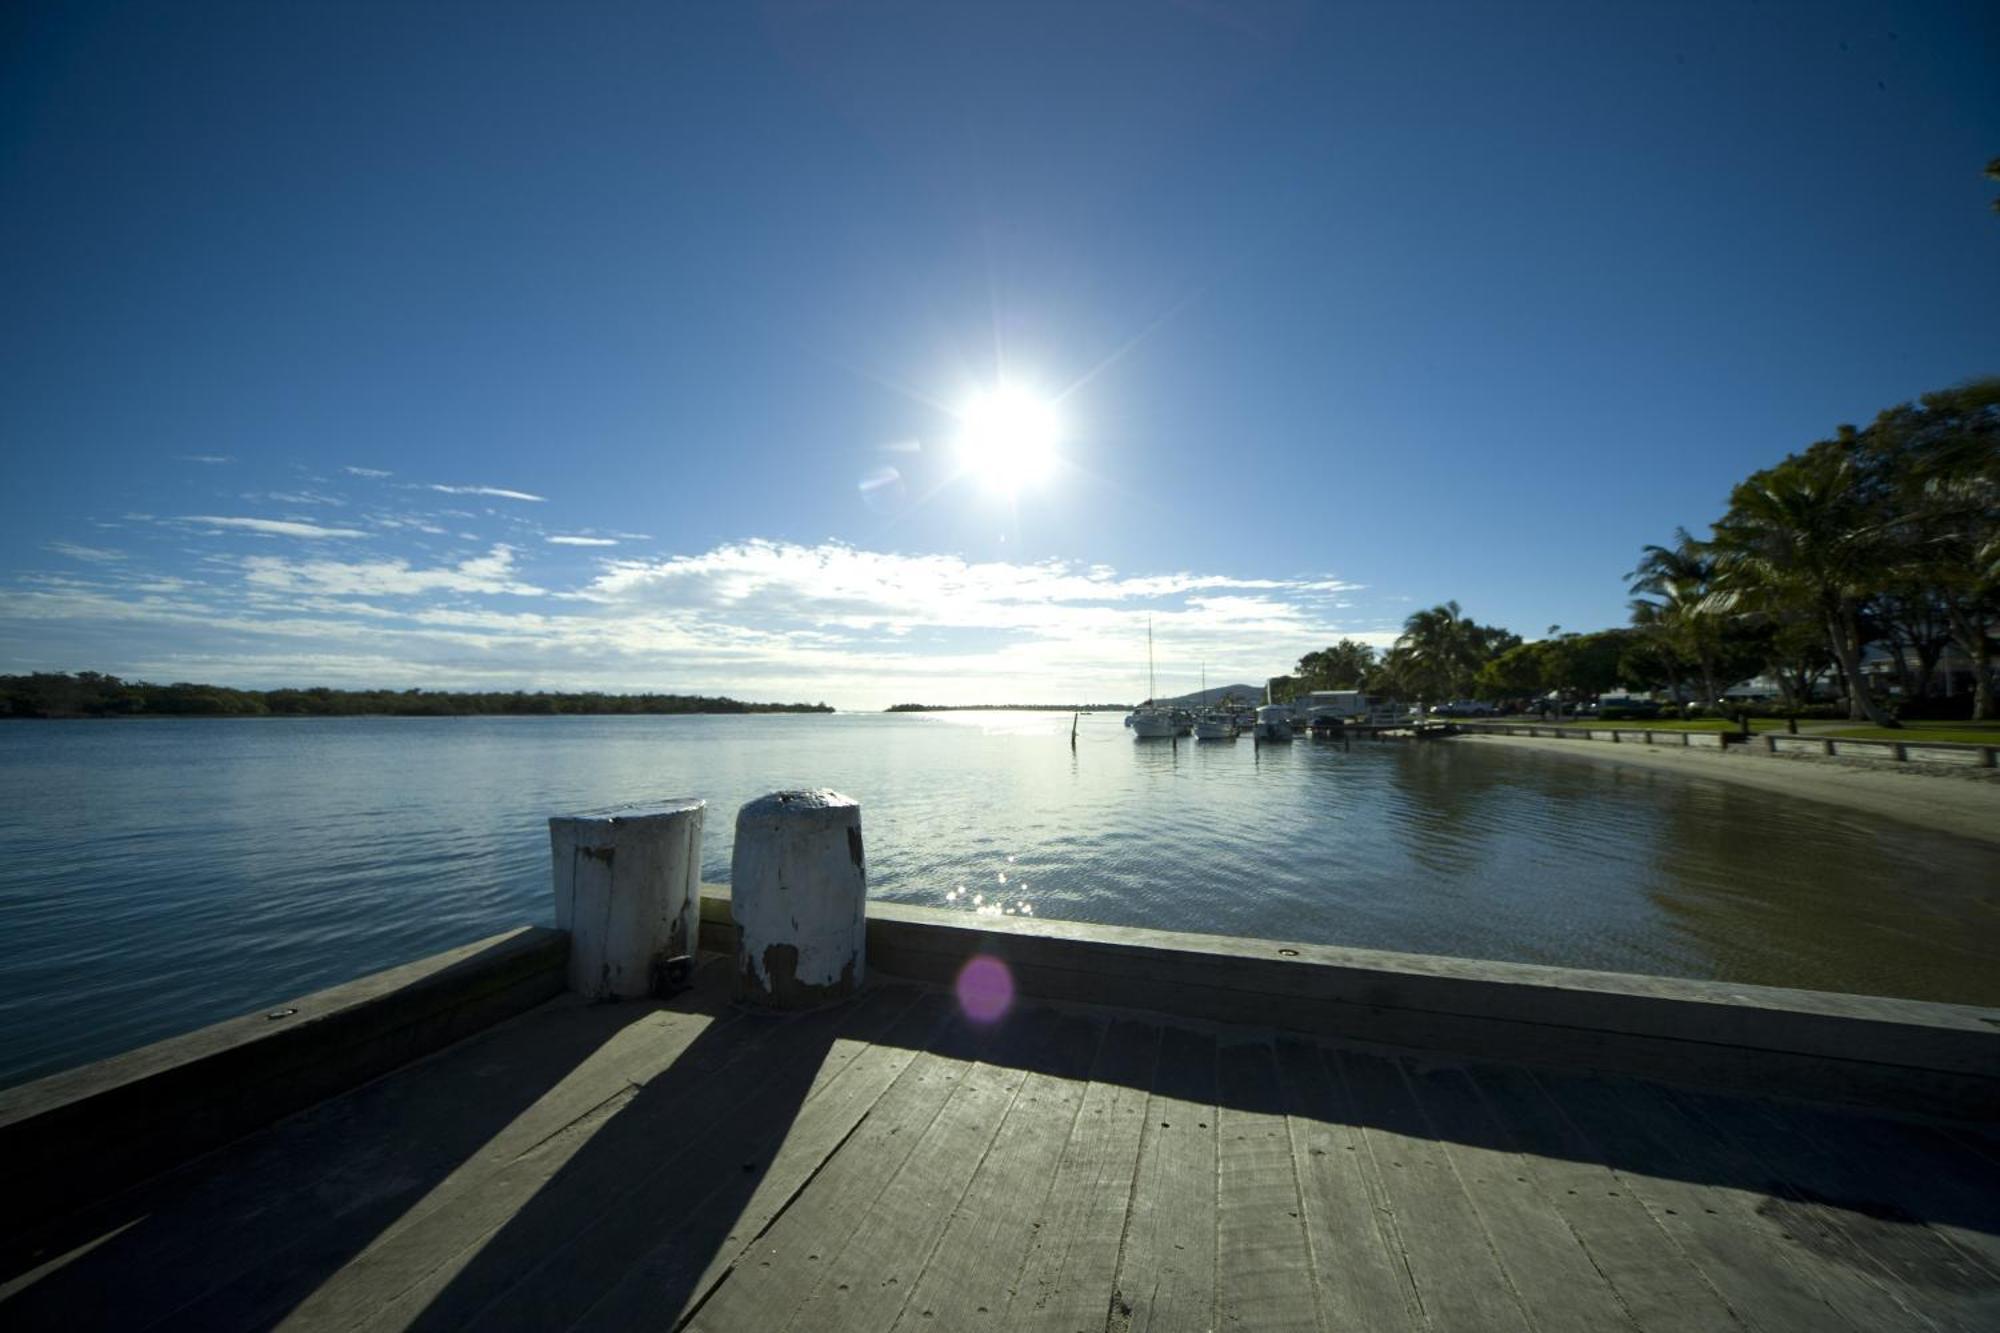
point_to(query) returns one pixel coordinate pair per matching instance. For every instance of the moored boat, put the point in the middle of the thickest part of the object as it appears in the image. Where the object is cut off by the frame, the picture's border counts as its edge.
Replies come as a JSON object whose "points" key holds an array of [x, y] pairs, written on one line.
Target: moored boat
{"points": [[1274, 722]]}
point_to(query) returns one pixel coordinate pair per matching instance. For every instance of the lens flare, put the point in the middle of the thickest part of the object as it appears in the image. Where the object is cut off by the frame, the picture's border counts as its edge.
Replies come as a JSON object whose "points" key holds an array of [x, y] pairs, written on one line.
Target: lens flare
{"points": [[985, 989]]}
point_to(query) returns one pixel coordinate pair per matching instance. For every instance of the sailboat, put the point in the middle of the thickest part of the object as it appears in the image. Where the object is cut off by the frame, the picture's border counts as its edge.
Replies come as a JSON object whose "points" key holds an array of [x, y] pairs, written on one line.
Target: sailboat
{"points": [[1210, 723], [1149, 721]]}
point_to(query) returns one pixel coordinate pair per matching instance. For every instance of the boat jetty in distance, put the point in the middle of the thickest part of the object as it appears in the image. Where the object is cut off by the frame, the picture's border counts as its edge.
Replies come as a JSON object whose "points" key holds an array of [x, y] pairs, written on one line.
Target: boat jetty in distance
{"points": [[805, 1109]]}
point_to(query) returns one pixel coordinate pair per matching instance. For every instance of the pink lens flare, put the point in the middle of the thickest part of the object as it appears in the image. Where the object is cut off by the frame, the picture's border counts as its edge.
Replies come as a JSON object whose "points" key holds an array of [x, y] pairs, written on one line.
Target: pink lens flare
{"points": [[985, 989]]}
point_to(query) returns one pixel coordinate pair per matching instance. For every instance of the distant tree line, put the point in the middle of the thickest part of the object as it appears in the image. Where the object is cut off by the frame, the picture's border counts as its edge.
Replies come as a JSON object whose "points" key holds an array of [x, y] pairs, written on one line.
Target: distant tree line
{"points": [[1882, 537], [91, 694], [1003, 708]]}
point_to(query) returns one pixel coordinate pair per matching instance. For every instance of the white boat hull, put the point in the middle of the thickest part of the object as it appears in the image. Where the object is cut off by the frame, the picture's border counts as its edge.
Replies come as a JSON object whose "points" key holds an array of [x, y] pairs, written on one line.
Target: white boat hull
{"points": [[1151, 726]]}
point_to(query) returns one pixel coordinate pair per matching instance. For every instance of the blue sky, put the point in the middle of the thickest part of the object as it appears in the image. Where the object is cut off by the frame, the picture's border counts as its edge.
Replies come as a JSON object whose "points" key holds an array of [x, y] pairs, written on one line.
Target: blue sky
{"points": [[575, 345]]}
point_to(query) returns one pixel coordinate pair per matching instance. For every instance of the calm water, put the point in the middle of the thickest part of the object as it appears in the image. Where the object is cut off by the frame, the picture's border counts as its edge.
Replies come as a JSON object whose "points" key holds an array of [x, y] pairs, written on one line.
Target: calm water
{"points": [[158, 875]]}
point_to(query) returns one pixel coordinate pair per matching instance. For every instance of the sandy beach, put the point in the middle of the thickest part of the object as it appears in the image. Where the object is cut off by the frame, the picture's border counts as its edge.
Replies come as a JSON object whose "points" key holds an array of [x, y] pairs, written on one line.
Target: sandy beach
{"points": [[1961, 802]]}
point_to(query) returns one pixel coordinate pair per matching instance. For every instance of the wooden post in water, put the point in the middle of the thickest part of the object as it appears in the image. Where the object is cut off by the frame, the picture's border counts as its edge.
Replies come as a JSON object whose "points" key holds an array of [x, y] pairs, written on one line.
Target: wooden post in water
{"points": [[628, 891], [798, 890]]}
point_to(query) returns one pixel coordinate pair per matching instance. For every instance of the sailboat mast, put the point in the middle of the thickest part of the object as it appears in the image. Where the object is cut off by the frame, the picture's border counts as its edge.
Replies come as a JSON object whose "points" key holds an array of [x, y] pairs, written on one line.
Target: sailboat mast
{"points": [[1152, 690]]}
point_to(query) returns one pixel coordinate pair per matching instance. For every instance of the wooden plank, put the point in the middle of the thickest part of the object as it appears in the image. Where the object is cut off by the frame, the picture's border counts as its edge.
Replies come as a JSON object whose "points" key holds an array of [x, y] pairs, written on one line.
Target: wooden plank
{"points": [[1263, 1265], [672, 1279], [1166, 1270], [558, 1254], [1357, 1255], [1660, 1287], [866, 1282], [1704, 1201], [974, 1270], [1458, 1278], [780, 1268], [321, 1186], [453, 1257], [1560, 1288], [1905, 1170], [1821, 1203], [1067, 1279]]}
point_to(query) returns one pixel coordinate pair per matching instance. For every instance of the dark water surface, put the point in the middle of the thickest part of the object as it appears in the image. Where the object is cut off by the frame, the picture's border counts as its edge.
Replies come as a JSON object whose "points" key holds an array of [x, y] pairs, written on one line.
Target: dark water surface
{"points": [[159, 875]]}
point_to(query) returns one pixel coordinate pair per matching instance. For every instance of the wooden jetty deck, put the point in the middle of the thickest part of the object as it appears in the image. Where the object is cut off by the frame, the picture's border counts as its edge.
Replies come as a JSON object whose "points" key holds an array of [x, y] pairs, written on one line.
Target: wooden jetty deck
{"points": [[890, 1164]]}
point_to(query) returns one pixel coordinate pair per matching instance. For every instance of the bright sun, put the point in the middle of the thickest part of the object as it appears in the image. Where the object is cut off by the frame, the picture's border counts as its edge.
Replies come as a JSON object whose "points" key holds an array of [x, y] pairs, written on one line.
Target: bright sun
{"points": [[1009, 439]]}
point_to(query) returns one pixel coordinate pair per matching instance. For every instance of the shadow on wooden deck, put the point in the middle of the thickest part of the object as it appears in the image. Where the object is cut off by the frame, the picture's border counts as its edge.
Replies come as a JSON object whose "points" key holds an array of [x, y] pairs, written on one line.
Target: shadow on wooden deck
{"points": [[890, 1164]]}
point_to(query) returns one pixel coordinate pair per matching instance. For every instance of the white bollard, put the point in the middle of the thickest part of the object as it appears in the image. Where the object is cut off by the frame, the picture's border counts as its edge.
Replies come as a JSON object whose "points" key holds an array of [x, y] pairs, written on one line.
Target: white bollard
{"points": [[628, 891], [798, 890]]}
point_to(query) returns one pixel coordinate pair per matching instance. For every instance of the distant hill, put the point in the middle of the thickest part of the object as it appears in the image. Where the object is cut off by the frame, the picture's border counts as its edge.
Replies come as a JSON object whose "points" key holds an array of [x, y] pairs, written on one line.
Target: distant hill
{"points": [[1248, 694]]}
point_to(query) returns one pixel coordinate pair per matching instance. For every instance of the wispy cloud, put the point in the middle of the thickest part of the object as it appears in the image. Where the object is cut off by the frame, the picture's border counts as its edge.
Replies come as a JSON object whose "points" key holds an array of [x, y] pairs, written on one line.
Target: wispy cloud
{"points": [[375, 472], [563, 539], [498, 491], [490, 573], [210, 459], [272, 527], [297, 498], [94, 554]]}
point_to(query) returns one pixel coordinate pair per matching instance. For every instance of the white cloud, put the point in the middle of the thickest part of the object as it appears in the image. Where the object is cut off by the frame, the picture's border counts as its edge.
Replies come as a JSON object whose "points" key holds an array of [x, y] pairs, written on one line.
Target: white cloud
{"points": [[94, 554], [756, 619], [489, 573], [564, 540], [298, 498], [489, 490], [210, 459], [366, 472], [273, 527]]}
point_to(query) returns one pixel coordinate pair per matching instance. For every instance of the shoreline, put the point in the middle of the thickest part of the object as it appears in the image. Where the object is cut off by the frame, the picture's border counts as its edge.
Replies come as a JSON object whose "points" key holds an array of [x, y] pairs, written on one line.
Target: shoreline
{"points": [[1948, 800]]}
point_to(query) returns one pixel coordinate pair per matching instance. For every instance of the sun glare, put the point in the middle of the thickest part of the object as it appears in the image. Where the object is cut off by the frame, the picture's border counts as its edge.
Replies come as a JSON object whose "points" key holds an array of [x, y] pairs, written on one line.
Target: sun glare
{"points": [[1009, 439]]}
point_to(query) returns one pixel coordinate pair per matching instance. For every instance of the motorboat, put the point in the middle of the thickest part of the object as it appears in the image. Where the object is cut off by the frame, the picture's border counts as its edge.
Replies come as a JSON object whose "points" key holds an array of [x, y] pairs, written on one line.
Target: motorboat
{"points": [[1214, 725], [1274, 722]]}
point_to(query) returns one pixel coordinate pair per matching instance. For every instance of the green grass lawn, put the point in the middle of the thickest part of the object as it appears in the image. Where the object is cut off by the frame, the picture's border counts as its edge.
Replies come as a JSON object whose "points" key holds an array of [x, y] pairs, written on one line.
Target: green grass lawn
{"points": [[1972, 733], [1649, 723]]}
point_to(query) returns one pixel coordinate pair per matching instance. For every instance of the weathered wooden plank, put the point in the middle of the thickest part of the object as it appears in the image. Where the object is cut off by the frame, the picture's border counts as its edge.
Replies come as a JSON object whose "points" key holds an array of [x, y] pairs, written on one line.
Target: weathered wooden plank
{"points": [[1858, 1295], [1457, 1276], [1710, 1209], [1661, 1287], [451, 1259], [1359, 1274], [1166, 1271], [614, 1200], [1560, 1288], [1070, 1270], [1916, 1170], [673, 1278], [89, 1133], [1263, 1265], [317, 1188], [780, 1268], [972, 1274], [1820, 1202], [866, 1282]]}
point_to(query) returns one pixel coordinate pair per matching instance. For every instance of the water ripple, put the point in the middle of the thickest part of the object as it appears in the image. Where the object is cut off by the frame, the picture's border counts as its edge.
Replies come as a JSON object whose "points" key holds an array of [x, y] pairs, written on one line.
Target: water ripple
{"points": [[159, 875]]}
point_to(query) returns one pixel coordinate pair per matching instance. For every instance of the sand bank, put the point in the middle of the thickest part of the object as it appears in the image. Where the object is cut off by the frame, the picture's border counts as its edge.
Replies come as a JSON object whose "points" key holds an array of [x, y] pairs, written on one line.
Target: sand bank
{"points": [[1962, 802]]}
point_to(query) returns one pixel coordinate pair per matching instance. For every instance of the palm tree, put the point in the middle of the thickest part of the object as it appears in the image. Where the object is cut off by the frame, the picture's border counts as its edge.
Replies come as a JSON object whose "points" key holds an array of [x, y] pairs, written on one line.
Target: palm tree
{"points": [[1678, 587], [1801, 537], [1442, 649]]}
